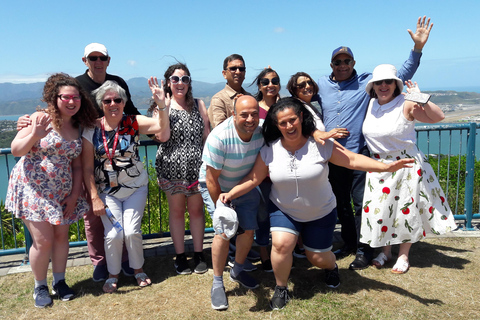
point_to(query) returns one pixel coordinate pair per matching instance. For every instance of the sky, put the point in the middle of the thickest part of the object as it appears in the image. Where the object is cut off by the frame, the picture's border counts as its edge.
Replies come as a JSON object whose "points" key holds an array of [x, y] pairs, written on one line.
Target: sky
{"points": [[143, 38]]}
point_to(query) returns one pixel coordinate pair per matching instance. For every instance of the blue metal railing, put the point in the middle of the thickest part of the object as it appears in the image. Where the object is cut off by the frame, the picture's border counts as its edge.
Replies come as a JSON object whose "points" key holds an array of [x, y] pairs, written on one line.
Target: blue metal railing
{"points": [[440, 141]]}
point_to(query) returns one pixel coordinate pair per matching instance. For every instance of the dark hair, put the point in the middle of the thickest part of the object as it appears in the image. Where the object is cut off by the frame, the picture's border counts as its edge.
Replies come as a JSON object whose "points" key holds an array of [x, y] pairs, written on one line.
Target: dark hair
{"points": [[231, 58], [86, 115], [396, 92], [292, 83], [261, 75], [270, 130]]}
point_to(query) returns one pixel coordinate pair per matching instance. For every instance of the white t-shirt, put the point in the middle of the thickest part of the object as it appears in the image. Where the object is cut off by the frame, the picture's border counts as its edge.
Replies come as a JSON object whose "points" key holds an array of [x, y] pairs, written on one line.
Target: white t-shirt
{"points": [[300, 181]]}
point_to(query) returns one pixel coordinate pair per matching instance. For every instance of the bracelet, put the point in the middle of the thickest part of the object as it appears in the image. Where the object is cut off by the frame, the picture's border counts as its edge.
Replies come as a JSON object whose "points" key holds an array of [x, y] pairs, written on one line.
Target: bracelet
{"points": [[417, 50], [161, 109]]}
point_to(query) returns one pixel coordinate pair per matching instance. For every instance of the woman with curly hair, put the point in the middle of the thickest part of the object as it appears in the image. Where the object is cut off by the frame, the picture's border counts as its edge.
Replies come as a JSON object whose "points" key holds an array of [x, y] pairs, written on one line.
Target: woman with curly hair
{"points": [[45, 187], [116, 180]]}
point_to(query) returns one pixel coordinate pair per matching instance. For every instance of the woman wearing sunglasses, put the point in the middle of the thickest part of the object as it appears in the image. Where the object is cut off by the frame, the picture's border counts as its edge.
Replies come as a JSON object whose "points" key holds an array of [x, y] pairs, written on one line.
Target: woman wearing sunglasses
{"points": [[116, 180], [268, 83], [179, 159], [399, 208]]}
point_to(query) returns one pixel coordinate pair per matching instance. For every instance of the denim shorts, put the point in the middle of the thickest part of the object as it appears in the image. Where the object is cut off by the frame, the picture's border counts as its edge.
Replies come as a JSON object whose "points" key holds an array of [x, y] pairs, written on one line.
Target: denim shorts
{"points": [[246, 208], [317, 235]]}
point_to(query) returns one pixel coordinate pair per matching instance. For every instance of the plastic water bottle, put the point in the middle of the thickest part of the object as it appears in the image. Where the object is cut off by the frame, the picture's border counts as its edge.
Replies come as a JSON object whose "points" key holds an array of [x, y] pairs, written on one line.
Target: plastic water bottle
{"points": [[112, 219]]}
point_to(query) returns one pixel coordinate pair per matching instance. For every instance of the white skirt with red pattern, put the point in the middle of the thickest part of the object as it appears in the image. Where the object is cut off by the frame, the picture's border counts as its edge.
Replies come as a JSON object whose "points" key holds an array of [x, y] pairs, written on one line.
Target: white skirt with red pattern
{"points": [[403, 206]]}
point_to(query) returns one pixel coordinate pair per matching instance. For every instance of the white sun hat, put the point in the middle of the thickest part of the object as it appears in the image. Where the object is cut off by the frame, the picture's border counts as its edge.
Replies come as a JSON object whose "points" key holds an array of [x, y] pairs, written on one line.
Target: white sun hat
{"points": [[384, 72]]}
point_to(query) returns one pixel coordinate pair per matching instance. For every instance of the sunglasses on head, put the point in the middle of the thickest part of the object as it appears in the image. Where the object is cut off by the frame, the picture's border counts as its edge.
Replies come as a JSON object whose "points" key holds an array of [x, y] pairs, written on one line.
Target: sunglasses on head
{"points": [[177, 79], [265, 81], [387, 81], [303, 84], [109, 101], [339, 62], [233, 69], [94, 58]]}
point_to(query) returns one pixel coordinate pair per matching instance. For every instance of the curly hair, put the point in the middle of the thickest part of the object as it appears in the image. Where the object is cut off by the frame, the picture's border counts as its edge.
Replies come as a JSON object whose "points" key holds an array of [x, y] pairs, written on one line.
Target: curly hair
{"points": [[270, 129], [261, 75], [86, 115], [292, 83]]}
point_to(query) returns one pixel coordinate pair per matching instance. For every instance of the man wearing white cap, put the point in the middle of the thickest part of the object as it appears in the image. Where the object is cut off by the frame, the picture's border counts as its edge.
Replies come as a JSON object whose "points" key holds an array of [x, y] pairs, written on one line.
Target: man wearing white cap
{"points": [[344, 104], [96, 58]]}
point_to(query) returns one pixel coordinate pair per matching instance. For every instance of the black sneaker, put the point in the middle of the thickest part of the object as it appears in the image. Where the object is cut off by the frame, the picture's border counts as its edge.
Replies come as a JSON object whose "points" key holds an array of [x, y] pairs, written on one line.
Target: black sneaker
{"points": [[42, 297], [200, 263], [219, 298], [280, 298], [267, 265], [63, 291], [245, 280], [100, 273], [332, 278], [299, 252], [181, 265]]}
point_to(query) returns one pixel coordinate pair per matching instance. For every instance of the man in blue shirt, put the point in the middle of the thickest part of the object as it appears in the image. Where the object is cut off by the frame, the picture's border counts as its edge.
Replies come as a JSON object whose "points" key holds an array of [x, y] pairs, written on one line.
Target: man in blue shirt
{"points": [[344, 104]]}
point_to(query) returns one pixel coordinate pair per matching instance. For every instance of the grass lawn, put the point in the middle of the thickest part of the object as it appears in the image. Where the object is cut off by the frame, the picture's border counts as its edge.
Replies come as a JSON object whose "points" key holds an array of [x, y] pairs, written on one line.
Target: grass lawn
{"points": [[443, 283]]}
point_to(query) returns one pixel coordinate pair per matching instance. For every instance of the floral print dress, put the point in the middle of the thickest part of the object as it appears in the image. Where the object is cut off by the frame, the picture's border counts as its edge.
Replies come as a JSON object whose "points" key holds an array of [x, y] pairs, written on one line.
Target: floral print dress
{"points": [[42, 179], [406, 205]]}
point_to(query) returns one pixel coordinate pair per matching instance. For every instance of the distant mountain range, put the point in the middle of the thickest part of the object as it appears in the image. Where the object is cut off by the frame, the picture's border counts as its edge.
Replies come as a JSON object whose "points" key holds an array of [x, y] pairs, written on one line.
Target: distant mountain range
{"points": [[24, 98]]}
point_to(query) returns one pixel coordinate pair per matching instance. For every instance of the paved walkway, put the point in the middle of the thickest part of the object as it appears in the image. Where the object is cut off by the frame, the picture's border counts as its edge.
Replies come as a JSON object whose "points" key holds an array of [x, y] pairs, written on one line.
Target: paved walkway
{"points": [[164, 246]]}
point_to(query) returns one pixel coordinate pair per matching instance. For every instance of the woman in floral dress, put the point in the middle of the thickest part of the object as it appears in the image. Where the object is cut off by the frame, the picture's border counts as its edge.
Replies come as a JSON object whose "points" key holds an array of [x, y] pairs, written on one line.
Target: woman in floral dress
{"points": [[45, 187], [400, 207]]}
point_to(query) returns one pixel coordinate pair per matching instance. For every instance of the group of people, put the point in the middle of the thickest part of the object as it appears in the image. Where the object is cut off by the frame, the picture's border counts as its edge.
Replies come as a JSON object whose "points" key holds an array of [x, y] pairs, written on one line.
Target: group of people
{"points": [[308, 155]]}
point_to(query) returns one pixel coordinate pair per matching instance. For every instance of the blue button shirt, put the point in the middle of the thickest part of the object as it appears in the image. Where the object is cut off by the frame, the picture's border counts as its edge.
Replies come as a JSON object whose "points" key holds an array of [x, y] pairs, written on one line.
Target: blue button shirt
{"points": [[345, 104]]}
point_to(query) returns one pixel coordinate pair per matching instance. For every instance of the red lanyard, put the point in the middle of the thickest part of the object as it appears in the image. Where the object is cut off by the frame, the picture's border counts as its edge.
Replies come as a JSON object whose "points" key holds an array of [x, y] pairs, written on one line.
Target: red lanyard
{"points": [[115, 142]]}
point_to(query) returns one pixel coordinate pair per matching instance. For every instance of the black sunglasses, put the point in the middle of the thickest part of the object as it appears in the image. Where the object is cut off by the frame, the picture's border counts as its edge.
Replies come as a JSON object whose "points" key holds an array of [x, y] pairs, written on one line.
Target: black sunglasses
{"points": [[387, 81], [94, 58], [109, 101], [303, 84], [265, 81], [339, 62], [233, 69]]}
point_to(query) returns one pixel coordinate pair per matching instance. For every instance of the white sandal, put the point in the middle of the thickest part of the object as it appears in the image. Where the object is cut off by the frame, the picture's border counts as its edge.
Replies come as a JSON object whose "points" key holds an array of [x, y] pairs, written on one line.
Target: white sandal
{"points": [[380, 260], [401, 266]]}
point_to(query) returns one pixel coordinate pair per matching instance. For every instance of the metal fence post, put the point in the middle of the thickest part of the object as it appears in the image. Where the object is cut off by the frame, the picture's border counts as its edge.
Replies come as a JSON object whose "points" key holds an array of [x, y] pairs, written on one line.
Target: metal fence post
{"points": [[469, 178]]}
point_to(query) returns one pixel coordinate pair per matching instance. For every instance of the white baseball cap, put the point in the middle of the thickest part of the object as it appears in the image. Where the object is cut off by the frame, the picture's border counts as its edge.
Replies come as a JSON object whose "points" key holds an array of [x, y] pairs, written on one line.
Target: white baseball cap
{"points": [[225, 221], [95, 47]]}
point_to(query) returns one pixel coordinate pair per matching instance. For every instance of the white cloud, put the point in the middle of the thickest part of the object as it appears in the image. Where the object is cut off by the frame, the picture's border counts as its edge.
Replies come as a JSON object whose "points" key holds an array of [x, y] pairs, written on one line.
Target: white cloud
{"points": [[14, 78], [279, 30], [132, 63]]}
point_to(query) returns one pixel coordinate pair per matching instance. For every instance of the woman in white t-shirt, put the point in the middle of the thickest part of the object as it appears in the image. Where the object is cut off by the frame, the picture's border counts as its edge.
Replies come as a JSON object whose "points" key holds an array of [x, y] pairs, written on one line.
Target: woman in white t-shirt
{"points": [[301, 200]]}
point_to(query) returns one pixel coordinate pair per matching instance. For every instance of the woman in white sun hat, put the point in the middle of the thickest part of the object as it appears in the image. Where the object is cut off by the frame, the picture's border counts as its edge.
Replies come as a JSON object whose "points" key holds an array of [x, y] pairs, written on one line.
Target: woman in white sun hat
{"points": [[400, 207]]}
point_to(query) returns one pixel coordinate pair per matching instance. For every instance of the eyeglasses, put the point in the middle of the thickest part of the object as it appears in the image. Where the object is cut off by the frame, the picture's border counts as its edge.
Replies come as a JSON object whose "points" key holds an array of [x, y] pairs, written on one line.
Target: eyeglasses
{"points": [[387, 81], [339, 62], [265, 81], [303, 84], [233, 69], [177, 79], [66, 97], [109, 101], [94, 58]]}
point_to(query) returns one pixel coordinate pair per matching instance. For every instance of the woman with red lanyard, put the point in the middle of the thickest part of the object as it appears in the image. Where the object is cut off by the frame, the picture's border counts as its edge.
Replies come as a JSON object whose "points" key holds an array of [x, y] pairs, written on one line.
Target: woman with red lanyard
{"points": [[116, 181]]}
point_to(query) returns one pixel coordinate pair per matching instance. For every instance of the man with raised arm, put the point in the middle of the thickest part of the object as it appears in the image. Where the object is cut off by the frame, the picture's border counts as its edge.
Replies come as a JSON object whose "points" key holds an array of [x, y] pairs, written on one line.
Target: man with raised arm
{"points": [[344, 104]]}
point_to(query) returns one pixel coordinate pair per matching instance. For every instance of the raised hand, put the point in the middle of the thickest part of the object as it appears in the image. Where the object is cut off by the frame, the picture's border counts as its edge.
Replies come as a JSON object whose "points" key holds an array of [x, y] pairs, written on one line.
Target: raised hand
{"points": [[420, 36], [412, 87], [40, 126], [158, 94]]}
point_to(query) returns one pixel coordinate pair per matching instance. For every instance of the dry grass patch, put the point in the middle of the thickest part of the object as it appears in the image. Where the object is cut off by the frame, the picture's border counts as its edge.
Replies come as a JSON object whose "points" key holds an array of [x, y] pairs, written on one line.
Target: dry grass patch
{"points": [[443, 283]]}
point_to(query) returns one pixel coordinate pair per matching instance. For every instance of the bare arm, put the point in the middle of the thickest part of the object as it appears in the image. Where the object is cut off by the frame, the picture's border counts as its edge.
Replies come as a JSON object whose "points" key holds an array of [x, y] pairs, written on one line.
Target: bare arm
{"points": [[206, 122], [258, 173], [98, 206], [350, 160], [23, 122], [212, 183], [162, 112], [26, 137], [337, 133], [428, 113]]}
